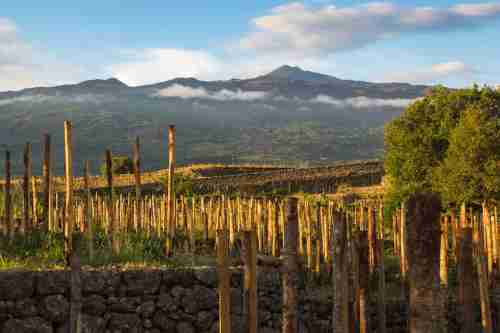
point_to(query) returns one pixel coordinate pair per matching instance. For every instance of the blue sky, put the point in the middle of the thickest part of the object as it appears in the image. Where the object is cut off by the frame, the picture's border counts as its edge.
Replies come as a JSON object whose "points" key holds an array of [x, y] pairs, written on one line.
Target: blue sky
{"points": [[52, 42]]}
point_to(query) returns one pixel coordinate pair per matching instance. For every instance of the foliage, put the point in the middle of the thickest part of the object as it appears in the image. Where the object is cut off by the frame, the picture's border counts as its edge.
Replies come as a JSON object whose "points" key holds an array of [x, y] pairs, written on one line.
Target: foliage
{"points": [[445, 143], [120, 165]]}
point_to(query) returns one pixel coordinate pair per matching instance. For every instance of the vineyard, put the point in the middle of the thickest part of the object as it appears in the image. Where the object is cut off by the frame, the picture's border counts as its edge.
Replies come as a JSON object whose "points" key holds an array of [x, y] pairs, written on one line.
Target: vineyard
{"points": [[342, 248]]}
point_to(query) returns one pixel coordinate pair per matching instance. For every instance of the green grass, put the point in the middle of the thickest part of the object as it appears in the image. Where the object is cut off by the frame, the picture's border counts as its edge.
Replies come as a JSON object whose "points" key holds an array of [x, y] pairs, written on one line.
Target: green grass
{"points": [[40, 250]]}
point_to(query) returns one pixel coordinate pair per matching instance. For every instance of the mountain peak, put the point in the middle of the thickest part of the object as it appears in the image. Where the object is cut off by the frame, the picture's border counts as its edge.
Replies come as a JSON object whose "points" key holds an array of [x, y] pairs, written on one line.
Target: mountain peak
{"points": [[107, 83], [295, 73], [286, 71]]}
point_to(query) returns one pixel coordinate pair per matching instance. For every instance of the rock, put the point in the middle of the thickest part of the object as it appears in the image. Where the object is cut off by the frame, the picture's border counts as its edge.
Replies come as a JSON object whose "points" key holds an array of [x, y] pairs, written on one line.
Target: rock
{"points": [[55, 308], [28, 325], [207, 276], [26, 308], [178, 277], [178, 292], [161, 320], [147, 309], [142, 282], [167, 303], [100, 282], [52, 283], [123, 304], [94, 305], [17, 285], [204, 320], [125, 322], [184, 327], [204, 298]]}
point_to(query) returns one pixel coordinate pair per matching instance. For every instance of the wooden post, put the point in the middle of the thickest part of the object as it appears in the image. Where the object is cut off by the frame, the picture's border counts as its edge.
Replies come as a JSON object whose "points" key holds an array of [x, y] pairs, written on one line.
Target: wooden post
{"points": [[381, 303], [25, 223], [443, 268], [34, 197], [170, 191], [8, 227], [364, 282], [423, 226], [482, 274], [224, 282], [88, 217], [113, 230], [47, 185], [290, 268], [137, 177], [68, 208], [76, 295], [249, 256], [372, 239], [339, 270]]}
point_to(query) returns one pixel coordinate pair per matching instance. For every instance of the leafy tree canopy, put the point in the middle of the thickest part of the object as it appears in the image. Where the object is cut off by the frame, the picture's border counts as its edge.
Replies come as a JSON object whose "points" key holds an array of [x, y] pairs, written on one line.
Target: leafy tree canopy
{"points": [[447, 142], [120, 165]]}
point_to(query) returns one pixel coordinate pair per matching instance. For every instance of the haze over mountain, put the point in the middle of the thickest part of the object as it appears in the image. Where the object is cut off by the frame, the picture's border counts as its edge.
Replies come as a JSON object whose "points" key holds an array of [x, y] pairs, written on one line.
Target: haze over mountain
{"points": [[288, 115]]}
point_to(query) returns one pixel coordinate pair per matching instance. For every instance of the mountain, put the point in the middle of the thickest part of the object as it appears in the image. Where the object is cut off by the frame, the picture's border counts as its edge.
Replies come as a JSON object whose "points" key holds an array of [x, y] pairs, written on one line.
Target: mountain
{"points": [[289, 115]]}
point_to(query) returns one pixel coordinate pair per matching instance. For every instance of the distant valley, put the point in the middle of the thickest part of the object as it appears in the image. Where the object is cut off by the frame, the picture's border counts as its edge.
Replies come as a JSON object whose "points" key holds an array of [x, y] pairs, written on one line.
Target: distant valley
{"points": [[288, 116]]}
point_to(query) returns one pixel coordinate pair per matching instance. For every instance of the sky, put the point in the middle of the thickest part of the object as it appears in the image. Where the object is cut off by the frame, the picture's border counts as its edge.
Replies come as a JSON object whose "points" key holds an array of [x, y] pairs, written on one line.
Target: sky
{"points": [[46, 43]]}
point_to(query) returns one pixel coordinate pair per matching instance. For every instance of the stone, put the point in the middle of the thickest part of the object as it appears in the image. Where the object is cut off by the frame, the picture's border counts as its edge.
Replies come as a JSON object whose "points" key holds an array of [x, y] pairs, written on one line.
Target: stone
{"points": [[26, 308], [142, 282], [204, 320], [184, 327], [123, 304], [147, 309], [125, 322], [28, 325], [161, 320], [17, 285], [55, 308], [204, 298], [52, 283], [94, 305], [178, 277], [167, 303], [207, 276]]}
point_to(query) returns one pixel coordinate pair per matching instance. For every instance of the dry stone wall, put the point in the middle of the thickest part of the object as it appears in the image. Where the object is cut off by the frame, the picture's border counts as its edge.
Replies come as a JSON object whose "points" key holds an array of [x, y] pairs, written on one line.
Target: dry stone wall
{"points": [[170, 300]]}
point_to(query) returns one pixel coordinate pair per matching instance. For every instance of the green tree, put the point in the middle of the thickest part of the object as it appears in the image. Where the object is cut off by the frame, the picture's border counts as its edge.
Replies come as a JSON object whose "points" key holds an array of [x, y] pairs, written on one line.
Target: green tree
{"points": [[470, 171], [120, 165], [421, 139]]}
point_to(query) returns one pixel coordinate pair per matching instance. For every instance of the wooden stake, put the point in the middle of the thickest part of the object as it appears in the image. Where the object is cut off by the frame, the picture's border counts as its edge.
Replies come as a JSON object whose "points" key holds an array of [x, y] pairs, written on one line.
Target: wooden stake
{"points": [[249, 256], [25, 223], [364, 282], [170, 191], [423, 226], [9, 227], [339, 270], [137, 177], [113, 225], [290, 268], [48, 216], [381, 299], [88, 217], [482, 274], [68, 208], [224, 282]]}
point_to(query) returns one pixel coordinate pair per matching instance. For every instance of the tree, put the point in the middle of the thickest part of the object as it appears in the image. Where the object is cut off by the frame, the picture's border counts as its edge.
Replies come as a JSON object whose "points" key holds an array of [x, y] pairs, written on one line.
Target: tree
{"points": [[120, 165], [423, 144], [470, 171]]}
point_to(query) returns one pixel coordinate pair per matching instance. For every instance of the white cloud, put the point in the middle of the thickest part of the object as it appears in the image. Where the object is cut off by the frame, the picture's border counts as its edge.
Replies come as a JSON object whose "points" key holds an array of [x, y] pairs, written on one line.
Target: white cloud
{"points": [[302, 29], [435, 73], [180, 91], [159, 64], [363, 102], [22, 66]]}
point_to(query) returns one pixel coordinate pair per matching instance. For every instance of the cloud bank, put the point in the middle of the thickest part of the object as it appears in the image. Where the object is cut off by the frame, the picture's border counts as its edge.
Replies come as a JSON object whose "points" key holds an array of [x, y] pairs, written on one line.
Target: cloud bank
{"points": [[298, 28], [434, 73], [360, 102]]}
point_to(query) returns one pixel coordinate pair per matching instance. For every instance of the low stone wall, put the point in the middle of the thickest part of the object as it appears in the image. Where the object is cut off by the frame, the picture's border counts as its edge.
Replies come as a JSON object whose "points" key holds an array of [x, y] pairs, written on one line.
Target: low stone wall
{"points": [[171, 300]]}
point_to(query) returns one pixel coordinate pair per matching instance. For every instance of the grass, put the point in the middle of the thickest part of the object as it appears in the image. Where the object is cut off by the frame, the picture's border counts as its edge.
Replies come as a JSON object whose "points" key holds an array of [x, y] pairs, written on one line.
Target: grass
{"points": [[41, 250]]}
